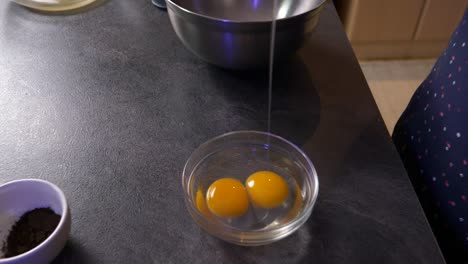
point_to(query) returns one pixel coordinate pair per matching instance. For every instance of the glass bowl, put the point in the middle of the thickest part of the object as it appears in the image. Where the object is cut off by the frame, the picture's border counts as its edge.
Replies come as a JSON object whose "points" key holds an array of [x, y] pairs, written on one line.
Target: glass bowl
{"points": [[237, 155], [54, 5]]}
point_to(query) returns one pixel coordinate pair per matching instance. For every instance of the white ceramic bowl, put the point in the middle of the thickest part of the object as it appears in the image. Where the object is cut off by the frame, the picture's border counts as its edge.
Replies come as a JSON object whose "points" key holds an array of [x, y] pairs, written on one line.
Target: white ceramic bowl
{"points": [[55, 5], [18, 197]]}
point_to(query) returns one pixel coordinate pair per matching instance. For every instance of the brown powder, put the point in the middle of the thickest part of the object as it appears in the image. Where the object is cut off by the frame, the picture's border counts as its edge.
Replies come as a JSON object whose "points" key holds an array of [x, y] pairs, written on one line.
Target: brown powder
{"points": [[32, 228]]}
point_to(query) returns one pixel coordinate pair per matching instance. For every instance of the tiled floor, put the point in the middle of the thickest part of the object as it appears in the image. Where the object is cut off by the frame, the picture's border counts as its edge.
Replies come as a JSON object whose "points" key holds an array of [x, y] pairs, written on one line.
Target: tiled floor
{"points": [[393, 83]]}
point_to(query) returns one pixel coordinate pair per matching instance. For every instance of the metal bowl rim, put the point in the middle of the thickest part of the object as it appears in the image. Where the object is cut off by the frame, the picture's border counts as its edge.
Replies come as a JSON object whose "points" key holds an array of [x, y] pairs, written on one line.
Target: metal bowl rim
{"points": [[173, 5]]}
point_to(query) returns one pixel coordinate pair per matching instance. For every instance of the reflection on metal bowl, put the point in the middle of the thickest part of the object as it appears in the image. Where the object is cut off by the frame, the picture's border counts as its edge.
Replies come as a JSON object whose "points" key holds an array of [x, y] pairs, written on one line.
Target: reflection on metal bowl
{"points": [[236, 33]]}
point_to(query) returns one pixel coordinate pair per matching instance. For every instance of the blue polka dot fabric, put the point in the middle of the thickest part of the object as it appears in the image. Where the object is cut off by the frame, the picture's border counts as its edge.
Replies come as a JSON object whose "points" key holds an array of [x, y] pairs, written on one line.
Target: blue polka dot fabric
{"points": [[432, 139]]}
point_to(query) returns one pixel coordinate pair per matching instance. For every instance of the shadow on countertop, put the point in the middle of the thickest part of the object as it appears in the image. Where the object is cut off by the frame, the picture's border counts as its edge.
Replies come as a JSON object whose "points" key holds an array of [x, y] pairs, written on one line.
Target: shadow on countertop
{"points": [[72, 253]]}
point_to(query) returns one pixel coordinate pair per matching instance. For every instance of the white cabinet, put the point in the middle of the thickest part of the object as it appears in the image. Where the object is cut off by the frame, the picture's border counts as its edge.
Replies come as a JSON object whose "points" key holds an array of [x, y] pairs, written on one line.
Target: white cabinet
{"points": [[395, 29]]}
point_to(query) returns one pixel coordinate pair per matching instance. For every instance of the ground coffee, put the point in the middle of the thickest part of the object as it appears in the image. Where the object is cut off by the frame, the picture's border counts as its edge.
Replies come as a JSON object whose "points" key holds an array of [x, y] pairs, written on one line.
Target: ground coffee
{"points": [[32, 228]]}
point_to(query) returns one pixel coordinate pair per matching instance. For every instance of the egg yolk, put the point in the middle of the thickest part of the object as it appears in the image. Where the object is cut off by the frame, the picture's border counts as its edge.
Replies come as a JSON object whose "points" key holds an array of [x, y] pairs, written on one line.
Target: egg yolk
{"points": [[201, 203], [227, 197], [267, 189], [297, 205]]}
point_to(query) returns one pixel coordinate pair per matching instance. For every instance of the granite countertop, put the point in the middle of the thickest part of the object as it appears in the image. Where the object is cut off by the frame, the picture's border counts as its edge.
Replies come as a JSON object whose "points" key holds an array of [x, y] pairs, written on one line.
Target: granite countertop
{"points": [[108, 105]]}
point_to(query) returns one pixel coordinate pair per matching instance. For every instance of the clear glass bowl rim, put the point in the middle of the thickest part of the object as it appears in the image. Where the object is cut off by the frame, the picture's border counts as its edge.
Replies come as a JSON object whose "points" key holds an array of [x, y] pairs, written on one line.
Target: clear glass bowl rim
{"points": [[253, 237]]}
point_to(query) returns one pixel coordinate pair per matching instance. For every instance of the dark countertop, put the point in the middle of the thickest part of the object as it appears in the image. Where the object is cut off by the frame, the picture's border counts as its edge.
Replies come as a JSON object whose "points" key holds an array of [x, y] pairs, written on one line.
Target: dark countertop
{"points": [[108, 105]]}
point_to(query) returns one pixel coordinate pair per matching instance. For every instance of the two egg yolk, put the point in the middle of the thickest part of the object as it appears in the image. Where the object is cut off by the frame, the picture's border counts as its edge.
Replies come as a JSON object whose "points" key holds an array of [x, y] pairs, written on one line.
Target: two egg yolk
{"points": [[227, 197]]}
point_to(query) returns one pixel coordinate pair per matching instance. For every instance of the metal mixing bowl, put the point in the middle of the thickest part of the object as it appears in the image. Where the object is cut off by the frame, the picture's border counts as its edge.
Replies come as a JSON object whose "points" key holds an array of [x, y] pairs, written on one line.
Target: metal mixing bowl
{"points": [[236, 33]]}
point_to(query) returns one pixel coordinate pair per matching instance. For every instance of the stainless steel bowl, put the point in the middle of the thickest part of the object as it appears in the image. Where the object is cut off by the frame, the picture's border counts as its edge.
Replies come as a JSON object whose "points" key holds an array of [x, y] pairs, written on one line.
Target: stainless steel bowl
{"points": [[236, 33]]}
